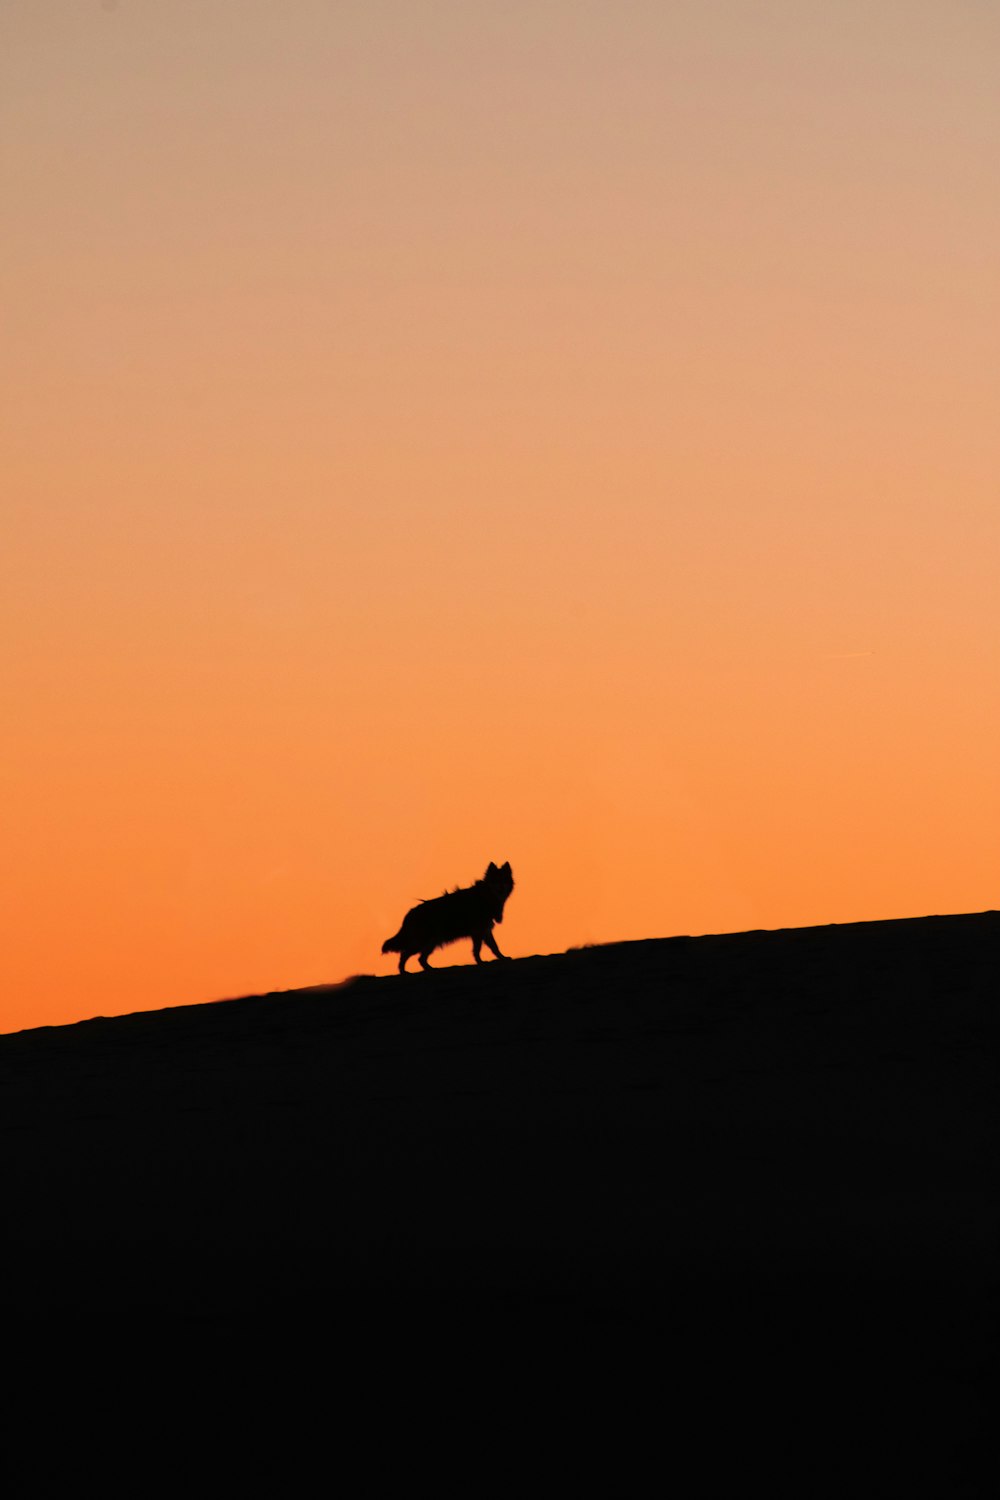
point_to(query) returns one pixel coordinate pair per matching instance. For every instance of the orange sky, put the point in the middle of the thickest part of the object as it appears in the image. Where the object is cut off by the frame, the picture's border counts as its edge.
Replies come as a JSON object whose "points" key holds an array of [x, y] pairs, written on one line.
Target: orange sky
{"points": [[556, 431]]}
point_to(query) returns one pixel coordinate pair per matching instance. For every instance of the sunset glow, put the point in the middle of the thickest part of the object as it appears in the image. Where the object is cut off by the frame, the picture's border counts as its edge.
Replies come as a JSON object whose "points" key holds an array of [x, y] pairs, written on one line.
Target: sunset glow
{"points": [[558, 432]]}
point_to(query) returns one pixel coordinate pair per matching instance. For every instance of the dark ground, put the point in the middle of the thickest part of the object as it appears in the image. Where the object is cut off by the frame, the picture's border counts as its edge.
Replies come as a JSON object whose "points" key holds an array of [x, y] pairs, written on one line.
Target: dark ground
{"points": [[738, 1191]]}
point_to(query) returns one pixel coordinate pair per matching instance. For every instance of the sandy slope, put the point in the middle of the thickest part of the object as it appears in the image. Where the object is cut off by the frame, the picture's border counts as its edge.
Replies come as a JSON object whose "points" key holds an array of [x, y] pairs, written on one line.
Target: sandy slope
{"points": [[762, 1166]]}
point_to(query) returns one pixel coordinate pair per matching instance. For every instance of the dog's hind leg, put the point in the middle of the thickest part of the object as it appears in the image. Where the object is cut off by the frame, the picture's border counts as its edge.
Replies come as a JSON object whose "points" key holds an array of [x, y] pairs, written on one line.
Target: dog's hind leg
{"points": [[403, 959], [477, 945]]}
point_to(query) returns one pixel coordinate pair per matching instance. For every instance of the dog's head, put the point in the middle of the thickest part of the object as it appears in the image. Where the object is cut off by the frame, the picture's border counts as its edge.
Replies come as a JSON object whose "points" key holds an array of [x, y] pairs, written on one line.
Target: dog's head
{"points": [[500, 882]]}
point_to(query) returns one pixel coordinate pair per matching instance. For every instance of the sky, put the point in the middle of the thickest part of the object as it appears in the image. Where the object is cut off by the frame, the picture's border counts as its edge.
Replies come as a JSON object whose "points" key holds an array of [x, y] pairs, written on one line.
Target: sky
{"points": [[443, 431]]}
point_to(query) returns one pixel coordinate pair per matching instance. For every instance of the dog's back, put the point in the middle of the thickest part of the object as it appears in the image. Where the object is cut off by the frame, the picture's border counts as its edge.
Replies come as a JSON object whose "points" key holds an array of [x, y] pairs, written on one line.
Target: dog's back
{"points": [[469, 912]]}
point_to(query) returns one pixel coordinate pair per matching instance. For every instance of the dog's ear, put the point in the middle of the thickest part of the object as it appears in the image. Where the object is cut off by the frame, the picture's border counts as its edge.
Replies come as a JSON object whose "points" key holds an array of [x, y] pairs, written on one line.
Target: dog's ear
{"points": [[491, 869], [506, 868]]}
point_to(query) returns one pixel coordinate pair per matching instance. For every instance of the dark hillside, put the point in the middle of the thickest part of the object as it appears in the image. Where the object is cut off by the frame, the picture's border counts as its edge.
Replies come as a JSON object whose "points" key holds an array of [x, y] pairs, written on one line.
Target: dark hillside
{"points": [[744, 1164]]}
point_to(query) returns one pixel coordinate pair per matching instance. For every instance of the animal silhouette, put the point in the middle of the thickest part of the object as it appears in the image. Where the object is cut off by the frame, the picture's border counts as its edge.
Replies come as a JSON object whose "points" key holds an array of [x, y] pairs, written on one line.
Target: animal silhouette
{"points": [[468, 912]]}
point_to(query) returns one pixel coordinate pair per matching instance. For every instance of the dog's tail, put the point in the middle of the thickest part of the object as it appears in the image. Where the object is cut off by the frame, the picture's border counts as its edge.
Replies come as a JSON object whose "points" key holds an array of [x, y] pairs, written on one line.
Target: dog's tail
{"points": [[393, 944]]}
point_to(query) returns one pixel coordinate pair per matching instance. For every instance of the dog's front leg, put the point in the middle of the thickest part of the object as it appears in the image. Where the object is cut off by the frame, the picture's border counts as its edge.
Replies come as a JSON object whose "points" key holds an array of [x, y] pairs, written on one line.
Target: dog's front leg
{"points": [[491, 944]]}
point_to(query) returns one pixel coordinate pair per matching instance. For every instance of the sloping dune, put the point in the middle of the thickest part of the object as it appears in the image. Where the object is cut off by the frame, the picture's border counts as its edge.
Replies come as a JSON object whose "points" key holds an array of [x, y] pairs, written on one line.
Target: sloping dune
{"points": [[759, 1165]]}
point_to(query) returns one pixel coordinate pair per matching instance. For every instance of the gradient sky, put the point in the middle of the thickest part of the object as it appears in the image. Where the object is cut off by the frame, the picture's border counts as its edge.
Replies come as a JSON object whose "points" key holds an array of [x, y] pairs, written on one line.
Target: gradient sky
{"points": [[438, 431]]}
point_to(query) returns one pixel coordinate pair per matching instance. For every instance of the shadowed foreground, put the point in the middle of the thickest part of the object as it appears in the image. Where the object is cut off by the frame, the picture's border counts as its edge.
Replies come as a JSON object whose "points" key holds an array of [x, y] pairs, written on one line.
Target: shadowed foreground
{"points": [[750, 1175]]}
